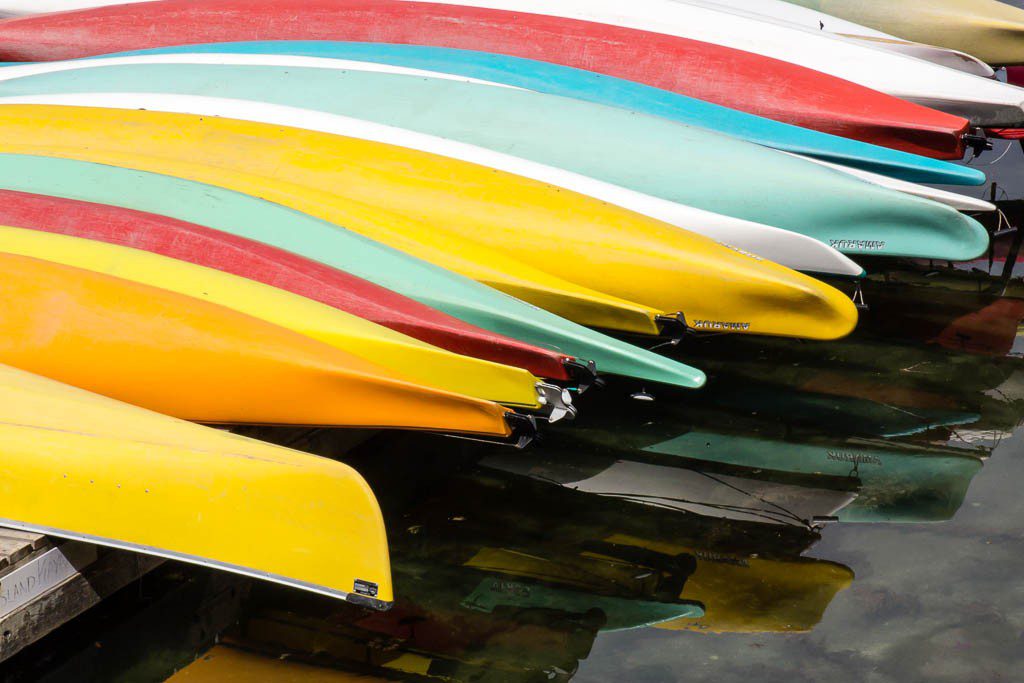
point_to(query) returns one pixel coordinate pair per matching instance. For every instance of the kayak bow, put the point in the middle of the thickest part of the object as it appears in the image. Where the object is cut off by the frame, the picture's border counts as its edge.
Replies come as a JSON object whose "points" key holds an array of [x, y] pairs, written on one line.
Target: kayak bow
{"points": [[121, 476]]}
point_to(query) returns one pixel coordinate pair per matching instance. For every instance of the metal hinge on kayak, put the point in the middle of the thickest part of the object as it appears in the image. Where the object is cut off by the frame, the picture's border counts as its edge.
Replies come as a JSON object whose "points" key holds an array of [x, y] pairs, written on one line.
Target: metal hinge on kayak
{"points": [[977, 142], [583, 374], [555, 402]]}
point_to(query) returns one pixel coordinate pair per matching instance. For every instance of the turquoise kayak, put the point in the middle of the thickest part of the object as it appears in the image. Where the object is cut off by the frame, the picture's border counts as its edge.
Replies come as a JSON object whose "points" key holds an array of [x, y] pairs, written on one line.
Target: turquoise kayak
{"points": [[263, 221], [555, 79], [634, 151]]}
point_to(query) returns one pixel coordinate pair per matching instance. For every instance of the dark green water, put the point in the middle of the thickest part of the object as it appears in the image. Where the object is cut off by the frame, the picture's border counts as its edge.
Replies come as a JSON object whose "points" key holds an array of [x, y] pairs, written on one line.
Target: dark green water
{"points": [[847, 512]]}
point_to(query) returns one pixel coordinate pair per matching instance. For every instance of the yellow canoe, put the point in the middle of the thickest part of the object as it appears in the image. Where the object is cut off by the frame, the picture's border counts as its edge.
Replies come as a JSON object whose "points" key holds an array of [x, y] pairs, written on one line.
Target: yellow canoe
{"points": [[407, 358], [82, 466], [614, 268], [199, 361], [990, 30]]}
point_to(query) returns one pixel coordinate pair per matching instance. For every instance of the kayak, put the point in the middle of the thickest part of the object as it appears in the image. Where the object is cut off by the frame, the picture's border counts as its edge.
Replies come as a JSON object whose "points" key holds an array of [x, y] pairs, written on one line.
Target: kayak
{"points": [[554, 79], [757, 85], [403, 356], [989, 29], [984, 101], [432, 206], [634, 161], [271, 224], [556, 138], [120, 476], [199, 361], [780, 10], [841, 213], [956, 200], [279, 268]]}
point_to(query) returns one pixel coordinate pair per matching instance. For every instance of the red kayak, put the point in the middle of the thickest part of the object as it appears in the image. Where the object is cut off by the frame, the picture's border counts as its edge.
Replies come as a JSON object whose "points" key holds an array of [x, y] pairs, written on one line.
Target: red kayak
{"points": [[733, 78], [270, 265]]}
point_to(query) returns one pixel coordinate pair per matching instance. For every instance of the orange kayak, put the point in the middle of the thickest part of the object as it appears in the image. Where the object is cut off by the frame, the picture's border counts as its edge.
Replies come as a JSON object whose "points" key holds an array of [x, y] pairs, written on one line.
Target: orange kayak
{"points": [[199, 361]]}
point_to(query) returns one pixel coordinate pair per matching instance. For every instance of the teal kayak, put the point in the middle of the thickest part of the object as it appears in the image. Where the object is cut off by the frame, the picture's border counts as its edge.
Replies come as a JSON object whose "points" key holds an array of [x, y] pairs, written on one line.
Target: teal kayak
{"points": [[299, 233], [594, 87], [634, 151]]}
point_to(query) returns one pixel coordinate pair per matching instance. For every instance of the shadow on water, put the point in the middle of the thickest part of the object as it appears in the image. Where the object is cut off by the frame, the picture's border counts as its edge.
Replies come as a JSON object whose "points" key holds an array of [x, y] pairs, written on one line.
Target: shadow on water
{"points": [[706, 535]]}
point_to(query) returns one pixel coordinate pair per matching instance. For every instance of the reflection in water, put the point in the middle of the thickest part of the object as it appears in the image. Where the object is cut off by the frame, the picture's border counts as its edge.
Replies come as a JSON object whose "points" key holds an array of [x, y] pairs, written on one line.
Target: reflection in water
{"points": [[644, 523]]}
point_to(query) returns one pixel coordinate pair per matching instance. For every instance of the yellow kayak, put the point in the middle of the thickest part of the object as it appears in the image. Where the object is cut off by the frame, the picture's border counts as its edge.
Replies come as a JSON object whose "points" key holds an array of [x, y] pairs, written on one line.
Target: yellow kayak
{"points": [[990, 30], [500, 229], [200, 361], [407, 358], [78, 465]]}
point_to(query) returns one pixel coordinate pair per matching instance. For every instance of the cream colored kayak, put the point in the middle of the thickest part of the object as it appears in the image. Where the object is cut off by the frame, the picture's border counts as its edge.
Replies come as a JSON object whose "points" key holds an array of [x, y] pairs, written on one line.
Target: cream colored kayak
{"points": [[81, 466], [985, 102], [804, 17], [408, 358], [457, 214], [994, 31]]}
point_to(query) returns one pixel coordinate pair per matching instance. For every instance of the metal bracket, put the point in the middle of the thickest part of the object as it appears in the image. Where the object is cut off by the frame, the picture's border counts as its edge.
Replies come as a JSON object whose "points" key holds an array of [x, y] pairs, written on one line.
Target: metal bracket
{"points": [[556, 402], [858, 297], [977, 143], [582, 374]]}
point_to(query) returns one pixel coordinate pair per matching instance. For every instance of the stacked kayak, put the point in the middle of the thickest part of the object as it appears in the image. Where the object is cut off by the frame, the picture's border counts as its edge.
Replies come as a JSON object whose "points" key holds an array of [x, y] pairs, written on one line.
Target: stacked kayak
{"points": [[757, 84]]}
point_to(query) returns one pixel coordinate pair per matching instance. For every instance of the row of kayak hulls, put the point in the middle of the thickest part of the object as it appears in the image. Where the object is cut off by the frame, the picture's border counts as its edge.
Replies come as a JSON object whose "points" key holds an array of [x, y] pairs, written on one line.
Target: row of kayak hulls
{"points": [[756, 84], [440, 214], [639, 167]]}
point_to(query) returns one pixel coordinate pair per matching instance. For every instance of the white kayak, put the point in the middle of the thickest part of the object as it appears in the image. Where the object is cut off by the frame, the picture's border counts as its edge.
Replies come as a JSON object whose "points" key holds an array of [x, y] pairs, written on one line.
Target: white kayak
{"points": [[986, 102], [782, 11], [788, 248]]}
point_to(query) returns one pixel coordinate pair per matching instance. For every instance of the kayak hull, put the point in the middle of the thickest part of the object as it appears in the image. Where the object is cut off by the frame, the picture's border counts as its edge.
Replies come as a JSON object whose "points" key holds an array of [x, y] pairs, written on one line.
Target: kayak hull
{"points": [[122, 476], [757, 84], [988, 29], [199, 361]]}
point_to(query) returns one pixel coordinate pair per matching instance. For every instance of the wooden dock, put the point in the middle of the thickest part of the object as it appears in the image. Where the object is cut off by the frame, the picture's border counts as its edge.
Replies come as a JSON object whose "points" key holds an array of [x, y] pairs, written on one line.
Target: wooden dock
{"points": [[46, 582]]}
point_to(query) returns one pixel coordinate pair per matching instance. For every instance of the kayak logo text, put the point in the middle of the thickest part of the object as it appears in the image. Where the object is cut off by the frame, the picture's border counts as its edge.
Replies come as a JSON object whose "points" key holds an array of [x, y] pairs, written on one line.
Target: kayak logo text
{"points": [[866, 245], [717, 325]]}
